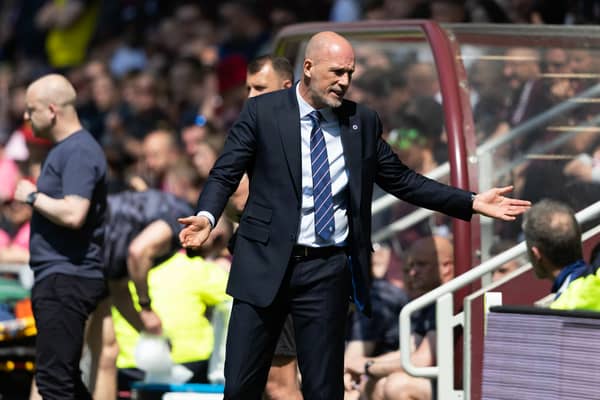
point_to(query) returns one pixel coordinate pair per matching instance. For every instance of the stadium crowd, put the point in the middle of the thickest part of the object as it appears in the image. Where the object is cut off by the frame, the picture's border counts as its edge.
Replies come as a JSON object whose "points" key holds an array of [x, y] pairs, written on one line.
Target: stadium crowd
{"points": [[159, 83]]}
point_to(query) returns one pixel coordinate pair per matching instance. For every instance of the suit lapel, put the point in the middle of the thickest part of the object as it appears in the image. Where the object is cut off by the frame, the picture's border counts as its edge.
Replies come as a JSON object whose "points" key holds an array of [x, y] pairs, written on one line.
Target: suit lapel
{"points": [[351, 142], [287, 115]]}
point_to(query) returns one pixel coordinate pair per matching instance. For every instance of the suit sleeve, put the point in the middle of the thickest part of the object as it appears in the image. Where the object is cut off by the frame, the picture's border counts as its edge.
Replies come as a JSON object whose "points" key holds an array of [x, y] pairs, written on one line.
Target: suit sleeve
{"points": [[397, 179], [238, 154]]}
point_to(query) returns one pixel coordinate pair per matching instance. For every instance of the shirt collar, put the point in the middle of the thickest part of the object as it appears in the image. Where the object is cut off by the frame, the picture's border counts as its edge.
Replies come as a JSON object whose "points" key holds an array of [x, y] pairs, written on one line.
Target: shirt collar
{"points": [[569, 273], [305, 108]]}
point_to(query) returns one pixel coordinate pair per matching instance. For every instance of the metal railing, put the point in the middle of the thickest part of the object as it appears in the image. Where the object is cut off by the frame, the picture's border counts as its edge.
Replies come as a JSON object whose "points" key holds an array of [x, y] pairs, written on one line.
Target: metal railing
{"points": [[446, 320]]}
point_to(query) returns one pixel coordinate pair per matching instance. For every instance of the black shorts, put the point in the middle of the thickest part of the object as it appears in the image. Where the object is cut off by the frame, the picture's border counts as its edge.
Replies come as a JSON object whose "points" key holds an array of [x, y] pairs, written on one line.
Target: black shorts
{"points": [[286, 345]]}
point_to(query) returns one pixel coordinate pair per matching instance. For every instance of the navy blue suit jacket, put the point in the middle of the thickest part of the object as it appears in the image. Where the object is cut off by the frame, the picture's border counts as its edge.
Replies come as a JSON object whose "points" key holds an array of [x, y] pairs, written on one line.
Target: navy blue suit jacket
{"points": [[265, 141]]}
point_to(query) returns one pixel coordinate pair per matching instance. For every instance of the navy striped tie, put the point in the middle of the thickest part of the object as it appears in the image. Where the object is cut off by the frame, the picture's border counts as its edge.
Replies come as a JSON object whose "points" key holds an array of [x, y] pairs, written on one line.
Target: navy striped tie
{"points": [[324, 221]]}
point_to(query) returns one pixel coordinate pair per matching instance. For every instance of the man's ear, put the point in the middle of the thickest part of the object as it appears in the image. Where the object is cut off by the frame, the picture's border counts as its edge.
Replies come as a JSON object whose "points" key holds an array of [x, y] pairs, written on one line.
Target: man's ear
{"points": [[307, 67], [287, 84], [53, 109]]}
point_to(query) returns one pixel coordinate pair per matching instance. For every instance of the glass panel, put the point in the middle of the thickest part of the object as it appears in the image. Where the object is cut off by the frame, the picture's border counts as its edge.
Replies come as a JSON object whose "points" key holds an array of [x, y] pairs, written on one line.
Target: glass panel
{"points": [[399, 81], [535, 96]]}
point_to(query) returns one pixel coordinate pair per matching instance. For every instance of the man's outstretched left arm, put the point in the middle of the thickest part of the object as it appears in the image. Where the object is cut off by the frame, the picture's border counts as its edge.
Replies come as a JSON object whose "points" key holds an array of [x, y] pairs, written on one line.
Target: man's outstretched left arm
{"points": [[493, 203]]}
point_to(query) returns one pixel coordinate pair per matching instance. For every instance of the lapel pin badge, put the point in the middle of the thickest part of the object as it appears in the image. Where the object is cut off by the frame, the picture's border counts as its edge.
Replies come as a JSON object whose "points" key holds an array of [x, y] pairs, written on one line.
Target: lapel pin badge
{"points": [[355, 127]]}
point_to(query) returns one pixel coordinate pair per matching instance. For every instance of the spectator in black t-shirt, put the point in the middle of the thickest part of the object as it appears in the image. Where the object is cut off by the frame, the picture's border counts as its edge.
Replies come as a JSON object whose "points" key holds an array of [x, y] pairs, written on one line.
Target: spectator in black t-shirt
{"points": [[67, 233], [430, 263]]}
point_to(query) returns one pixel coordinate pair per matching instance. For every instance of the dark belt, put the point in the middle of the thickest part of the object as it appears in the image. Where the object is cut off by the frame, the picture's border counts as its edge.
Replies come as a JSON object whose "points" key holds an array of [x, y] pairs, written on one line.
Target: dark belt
{"points": [[305, 253]]}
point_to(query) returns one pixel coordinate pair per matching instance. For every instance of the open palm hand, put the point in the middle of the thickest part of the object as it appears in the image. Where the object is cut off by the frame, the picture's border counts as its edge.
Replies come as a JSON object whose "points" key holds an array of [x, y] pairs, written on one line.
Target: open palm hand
{"points": [[493, 203]]}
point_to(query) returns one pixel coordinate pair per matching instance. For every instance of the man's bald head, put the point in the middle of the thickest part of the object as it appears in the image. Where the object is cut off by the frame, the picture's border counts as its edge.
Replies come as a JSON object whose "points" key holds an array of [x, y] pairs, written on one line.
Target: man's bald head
{"points": [[327, 70], [53, 89], [327, 44], [50, 107]]}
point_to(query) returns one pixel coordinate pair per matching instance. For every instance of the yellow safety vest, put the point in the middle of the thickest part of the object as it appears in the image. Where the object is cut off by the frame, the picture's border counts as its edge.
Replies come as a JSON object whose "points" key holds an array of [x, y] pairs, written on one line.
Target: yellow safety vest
{"points": [[581, 294], [180, 288]]}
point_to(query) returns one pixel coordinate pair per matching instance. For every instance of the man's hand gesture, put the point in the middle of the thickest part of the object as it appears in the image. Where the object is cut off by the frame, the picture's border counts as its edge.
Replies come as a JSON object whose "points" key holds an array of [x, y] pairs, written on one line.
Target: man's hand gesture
{"points": [[493, 203], [195, 233]]}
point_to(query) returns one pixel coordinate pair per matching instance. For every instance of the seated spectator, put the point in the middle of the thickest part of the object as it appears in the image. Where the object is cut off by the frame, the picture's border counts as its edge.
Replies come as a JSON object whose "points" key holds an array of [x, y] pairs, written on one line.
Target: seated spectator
{"points": [[553, 239], [429, 264], [522, 73], [372, 337]]}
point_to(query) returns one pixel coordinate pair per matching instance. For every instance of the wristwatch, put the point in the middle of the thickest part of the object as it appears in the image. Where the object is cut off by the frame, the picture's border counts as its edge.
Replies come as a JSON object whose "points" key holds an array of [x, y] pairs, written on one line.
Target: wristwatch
{"points": [[367, 366], [30, 199], [145, 304]]}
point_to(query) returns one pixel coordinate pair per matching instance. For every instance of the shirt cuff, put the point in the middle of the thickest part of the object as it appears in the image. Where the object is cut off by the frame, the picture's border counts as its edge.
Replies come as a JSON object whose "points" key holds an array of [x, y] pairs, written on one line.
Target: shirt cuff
{"points": [[208, 215]]}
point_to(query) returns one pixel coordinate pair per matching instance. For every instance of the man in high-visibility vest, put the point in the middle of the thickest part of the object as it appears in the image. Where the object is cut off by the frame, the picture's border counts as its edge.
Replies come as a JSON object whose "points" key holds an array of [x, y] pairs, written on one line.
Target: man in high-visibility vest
{"points": [[553, 239]]}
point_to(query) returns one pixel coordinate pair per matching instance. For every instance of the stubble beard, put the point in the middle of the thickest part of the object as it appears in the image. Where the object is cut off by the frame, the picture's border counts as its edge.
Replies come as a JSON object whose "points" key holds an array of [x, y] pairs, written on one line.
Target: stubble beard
{"points": [[331, 102], [334, 103], [323, 100]]}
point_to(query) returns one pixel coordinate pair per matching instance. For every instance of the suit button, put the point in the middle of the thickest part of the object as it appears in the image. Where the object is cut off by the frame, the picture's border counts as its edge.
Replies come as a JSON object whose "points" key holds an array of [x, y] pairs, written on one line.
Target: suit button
{"points": [[292, 237]]}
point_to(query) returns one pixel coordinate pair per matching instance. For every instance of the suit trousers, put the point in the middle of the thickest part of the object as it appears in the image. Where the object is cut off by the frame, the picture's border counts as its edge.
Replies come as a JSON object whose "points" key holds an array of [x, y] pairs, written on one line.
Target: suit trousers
{"points": [[316, 293]]}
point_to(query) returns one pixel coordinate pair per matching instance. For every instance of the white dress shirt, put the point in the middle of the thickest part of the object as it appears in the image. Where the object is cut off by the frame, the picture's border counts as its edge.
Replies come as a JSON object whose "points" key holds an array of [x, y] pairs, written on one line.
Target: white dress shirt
{"points": [[337, 170]]}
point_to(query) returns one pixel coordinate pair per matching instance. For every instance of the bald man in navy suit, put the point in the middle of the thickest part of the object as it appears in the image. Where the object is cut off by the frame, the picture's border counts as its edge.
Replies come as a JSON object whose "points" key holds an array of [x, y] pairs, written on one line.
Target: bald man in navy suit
{"points": [[285, 259]]}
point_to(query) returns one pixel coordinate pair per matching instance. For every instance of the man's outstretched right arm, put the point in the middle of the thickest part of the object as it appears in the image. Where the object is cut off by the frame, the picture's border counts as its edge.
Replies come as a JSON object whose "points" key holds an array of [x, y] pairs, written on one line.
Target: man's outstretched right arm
{"points": [[196, 231]]}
